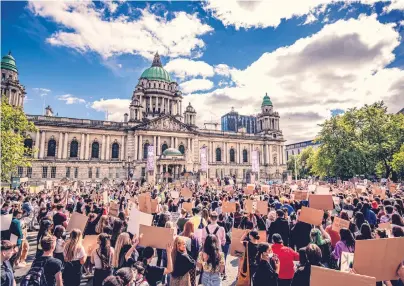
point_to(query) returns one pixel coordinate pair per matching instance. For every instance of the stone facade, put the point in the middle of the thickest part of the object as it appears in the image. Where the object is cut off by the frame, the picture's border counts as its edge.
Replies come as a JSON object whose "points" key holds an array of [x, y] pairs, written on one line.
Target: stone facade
{"points": [[94, 149]]}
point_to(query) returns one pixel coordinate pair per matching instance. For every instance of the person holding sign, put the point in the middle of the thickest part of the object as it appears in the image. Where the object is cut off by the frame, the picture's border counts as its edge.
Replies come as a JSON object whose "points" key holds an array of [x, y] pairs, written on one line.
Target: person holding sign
{"points": [[156, 273], [286, 257], [183, 263], [75, 256], [346, 244], [322, 239]]}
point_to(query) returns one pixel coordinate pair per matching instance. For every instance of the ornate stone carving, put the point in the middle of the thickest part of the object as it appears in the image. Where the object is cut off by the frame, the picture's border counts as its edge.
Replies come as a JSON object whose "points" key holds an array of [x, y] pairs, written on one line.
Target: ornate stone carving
{"points": [[167, 124]]}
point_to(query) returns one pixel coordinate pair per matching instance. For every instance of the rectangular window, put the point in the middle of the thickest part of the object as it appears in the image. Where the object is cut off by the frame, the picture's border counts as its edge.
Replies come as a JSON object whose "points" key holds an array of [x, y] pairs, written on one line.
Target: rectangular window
{"points": [[53, 172], [67, 172], [97, 172], [44, 172], [143, 172], [29, 172], [90, 173], [20, 171], [76, 172]]}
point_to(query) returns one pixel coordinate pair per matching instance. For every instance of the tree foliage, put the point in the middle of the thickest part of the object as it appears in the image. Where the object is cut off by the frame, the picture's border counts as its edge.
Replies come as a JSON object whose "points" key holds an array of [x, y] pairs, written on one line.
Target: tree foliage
{"points": [[359, 142], [14, 127]]}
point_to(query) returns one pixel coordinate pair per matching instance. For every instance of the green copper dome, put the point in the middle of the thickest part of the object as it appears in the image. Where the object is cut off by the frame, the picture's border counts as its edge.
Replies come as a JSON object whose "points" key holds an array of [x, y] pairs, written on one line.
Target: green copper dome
{"points": [[172, 152], [267, 101], [8, 63], [156, 71]]}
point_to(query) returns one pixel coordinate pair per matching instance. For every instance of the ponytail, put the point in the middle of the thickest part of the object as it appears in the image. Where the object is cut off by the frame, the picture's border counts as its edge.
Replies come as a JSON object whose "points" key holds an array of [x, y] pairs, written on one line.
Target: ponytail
{"points": [[262, 247]]}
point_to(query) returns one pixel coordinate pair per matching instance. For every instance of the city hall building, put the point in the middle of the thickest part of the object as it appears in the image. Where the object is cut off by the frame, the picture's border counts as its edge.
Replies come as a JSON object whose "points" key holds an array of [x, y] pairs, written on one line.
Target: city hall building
{"points": [[85, 149]]}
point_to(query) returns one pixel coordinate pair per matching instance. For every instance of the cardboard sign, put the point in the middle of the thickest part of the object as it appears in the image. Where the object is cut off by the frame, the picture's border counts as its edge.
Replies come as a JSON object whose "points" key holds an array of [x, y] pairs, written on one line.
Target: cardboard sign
{"points": [[262, 207], [228, 189], [300, 195], [312, 188], [6, 221], [186, 193], [347, 260], [265, 188], [13, 238], [145, 203], [236, 247], [311, 216], [188, 206], [136, 218], [248, 191], [385, 225], [157, 237], [228, 207], [154, 206], [113, 209], [77, 220], [321, 202], [263, 236], [339, 223], [319, 275], [250, 187], [248, 206], [379, 257], [90, 243], [175, 194], [380, 192], [322, 190]]}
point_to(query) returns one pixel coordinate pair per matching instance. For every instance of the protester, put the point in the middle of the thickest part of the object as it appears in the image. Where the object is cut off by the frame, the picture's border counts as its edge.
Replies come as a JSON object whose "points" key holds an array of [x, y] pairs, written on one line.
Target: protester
{"points": [[280, 226], [313, 258], [268, 267], [75, 256], [101, 257], [193, 248], [286, 257], [211, 260], [182, 264], [7, 251], [156, 273]]}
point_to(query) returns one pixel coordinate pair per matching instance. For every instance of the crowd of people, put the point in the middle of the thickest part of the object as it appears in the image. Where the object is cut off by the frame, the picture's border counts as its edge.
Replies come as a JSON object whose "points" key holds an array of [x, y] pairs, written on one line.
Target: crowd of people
{"points": [[279, 250]]}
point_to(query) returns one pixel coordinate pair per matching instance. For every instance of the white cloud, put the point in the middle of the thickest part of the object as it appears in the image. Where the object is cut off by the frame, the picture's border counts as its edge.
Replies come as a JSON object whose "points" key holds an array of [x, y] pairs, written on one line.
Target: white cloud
{"points": [[196, 85], [184, 68], [71, 99], [85, 28], [111, 6], [115, 107], [41, 89], [342, 66], [262, 14], [222, 69]]}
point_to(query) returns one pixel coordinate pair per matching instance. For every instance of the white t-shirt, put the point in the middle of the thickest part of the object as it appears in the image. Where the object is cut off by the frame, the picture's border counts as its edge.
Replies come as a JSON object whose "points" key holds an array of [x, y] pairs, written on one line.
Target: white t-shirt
{"points": [[60, 245], [80, 253], [97, 259]]}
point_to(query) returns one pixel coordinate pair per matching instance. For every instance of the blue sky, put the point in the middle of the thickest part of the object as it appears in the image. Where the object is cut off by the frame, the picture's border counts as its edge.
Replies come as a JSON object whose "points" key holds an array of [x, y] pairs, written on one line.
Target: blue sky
{"points": [[85, 58]]}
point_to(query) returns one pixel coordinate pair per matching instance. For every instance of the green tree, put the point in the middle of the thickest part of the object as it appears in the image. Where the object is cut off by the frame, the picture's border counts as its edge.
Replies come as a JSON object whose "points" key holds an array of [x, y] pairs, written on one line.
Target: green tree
{"points": [[291, 165], [14, 127], [398, 162], [303, 163], [360, 142]]}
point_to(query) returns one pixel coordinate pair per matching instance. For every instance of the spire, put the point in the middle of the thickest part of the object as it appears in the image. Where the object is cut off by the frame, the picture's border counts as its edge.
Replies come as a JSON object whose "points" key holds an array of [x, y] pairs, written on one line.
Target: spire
{"points": [[157, 61], [9, 52]]}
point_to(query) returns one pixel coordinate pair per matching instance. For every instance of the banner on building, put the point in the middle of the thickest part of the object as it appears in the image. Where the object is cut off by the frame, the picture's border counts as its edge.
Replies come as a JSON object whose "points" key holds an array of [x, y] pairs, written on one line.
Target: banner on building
{"points": [[150, 158], [254, 161], [204, 159]]}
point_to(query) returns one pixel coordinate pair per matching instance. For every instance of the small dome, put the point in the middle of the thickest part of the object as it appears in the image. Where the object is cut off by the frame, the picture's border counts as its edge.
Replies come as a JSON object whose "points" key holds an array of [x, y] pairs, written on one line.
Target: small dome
{"points": [[8, 63], [190, 108], [156, 71], [172, 152], [266, 101]]}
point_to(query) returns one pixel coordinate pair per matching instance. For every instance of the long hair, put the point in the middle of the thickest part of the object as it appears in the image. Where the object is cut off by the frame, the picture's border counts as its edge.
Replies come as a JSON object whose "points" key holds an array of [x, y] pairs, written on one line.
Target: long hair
{"points": [[359, 219], [123, 239], [72, 244], [211, 248], [262, 247], [175, 252], [205, 214], [347, 237], [189, 229], [366, 231], [397, 220], [317, 237], [104, 250], [101, 223]]}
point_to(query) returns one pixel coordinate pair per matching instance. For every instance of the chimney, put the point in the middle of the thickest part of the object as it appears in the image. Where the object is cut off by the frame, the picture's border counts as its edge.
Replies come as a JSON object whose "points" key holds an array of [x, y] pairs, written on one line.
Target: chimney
{"points": [[48, 111], [125, 117]]}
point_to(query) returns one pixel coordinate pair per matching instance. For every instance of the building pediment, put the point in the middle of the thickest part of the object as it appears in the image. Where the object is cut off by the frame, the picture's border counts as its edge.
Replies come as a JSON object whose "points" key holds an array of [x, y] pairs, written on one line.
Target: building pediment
{"points": [[165, 123]]}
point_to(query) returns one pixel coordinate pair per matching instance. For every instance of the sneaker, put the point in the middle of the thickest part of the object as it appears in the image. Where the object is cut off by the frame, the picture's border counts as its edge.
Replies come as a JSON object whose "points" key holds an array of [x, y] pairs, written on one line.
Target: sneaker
{"points": [[224, 277]]}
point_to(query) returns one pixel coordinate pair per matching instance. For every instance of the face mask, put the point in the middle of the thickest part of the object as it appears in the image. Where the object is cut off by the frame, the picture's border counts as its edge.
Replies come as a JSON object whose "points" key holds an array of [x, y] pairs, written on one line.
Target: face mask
{"points": [[270, 255]]}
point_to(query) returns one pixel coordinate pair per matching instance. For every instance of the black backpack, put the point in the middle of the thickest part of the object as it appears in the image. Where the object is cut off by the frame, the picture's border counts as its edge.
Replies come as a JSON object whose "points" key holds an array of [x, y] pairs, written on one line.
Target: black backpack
{"points": [[36, 275]]}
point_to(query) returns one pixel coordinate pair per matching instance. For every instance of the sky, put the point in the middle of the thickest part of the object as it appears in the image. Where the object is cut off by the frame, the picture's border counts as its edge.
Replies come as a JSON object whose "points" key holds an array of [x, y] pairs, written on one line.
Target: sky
{"points": [[314, 58]]}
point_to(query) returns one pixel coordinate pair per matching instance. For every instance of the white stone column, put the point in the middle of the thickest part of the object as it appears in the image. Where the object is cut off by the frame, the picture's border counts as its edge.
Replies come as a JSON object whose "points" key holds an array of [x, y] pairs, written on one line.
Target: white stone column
{"points": [[157, 103], [107, 148], [171, 142], [60, 145], [136, 148], [154, 143], [169, 105], [189, 144], [42, 148], [123, 148], [261, 148], [82, 147], [180, 107], [87, 147], [65, 145], [103, 147], [140, 147], [37, 144]]}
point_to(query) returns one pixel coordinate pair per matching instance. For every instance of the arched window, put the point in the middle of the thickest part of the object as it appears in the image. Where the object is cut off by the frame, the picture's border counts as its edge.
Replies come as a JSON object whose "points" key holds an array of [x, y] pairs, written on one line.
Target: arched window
{"points": [[51, 148], [27, 146], [95, 150], [164, 147], [145, 151], [115, 150], [181, 148], [245, 156], [232, 156], [218, 155], [74, 149]]}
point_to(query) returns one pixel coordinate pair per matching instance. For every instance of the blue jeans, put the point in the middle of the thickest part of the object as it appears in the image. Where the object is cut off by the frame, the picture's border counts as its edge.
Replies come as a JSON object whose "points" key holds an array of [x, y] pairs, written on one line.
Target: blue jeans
{"points": [[211, 279], [225, 249]]}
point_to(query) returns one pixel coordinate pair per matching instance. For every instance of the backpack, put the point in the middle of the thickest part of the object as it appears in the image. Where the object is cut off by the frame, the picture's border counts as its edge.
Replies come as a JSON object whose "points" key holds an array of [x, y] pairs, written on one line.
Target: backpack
{"points": [[36, 275], [200, 226]]}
